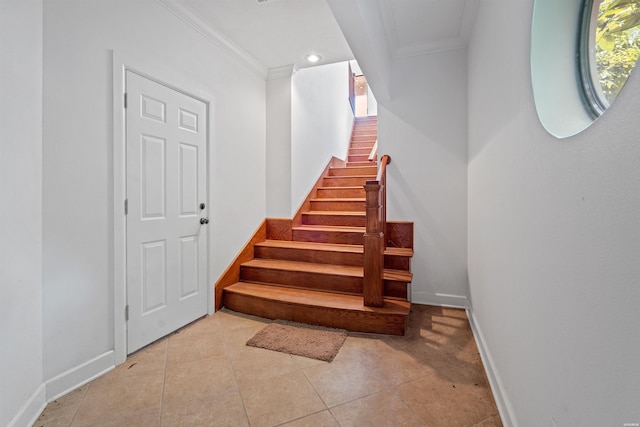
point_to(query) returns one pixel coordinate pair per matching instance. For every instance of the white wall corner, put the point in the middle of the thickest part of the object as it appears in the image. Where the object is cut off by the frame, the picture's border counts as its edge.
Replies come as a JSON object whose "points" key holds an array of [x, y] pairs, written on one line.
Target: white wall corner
{"points": [[495, 382], [31, 410], [186, 14], [282, 72], [363, 29], [80, 375]]}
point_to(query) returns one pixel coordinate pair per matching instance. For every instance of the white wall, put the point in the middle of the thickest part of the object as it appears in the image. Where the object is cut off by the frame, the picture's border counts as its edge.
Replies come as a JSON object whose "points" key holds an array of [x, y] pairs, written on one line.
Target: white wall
{"points": [[21, 393], [321, 124], [554, 239], [78, 160], [372, 104], [423, 129], [279, 147]]}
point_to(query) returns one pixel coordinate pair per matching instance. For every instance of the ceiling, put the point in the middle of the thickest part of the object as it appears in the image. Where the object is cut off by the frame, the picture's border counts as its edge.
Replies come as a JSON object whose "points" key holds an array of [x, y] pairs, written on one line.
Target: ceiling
{"points": [[272, 34], [277, 32], [418, 27]]}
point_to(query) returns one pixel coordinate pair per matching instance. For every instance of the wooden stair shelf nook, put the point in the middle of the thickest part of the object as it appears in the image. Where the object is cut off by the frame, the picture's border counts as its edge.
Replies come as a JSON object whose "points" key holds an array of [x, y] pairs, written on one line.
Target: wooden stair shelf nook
{"points": [[338, 262]]}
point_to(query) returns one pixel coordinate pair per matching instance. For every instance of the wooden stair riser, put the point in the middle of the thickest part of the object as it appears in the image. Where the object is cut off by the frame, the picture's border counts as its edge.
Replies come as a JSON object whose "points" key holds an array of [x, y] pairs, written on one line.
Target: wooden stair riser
{"points": [[359, 151], [345, 181], [354, 321], [363, 144], [354, 258], [366, 170], [364, 131], [360, 158], [302, 234], [303, 280], [363, 139], [334, 192], [309, 255], [330, 280], [360, 164], [355, 205], [399, 234], [346, 220], [395, 289]]}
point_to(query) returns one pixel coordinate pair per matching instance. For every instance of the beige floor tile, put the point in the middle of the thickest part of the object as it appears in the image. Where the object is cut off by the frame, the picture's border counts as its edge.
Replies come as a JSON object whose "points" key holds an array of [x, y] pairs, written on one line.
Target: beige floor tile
{"points": [[59, 422], [221, 410], [321, 419], [280, 399], [144, 418], [206, 375], [116, 397], [359, 346], [148, 359], [395, 366], [343, 381], [252, 364], [198, 341], [307, 362], [493, 421], [201, 378], [440, 402], [236, 339], [61, 411], [229, 320], [384, 409]]}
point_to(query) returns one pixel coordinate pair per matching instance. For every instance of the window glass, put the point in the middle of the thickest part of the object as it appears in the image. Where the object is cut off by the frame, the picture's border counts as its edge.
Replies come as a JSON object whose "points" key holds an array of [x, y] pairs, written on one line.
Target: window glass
{"points": [[610, 48]]}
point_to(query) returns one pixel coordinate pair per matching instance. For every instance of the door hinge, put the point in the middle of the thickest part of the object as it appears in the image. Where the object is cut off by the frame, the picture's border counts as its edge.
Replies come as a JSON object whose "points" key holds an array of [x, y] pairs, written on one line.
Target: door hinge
{"points": [[126, 313], [126, 206], [125, 100]]}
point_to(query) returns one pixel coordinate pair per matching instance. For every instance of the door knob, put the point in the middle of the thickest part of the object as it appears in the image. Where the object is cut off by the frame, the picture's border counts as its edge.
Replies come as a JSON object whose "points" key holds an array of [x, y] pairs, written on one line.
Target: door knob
{"points": [[204, 220]]}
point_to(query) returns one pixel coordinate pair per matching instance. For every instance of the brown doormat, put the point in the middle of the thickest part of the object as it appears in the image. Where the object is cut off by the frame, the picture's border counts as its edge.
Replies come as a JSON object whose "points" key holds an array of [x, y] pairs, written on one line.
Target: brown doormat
{"points": [[316, 342]]}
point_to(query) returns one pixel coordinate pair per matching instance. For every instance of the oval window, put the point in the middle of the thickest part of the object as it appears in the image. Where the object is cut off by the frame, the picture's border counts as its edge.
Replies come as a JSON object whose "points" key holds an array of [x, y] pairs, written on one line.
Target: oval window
{"points": [[609, 49]]}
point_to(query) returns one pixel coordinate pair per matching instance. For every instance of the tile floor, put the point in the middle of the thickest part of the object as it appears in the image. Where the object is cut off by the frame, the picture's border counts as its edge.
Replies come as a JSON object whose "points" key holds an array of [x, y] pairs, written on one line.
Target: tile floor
{"points": [[205, 375]]}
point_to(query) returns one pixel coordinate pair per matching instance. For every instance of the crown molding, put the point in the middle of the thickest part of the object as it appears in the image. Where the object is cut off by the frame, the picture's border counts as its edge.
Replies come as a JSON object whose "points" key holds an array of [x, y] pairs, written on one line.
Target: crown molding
{"points": [[459, 41], [221, 40], [281, 72]]}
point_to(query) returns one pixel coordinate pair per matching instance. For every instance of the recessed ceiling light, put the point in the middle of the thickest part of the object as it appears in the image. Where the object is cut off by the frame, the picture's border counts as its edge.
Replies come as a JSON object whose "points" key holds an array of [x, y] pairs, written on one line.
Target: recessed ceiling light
{"points": [[313, 58]]}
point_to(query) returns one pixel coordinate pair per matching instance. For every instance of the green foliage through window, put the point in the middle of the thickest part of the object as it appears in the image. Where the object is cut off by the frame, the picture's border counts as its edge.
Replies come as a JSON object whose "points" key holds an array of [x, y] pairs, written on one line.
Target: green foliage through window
{"points": [[617, 44]]}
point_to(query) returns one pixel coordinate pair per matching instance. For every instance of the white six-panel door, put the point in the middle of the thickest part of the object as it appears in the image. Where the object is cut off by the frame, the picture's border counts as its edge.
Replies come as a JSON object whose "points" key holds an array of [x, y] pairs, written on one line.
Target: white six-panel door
{"points": [[166, 140]]}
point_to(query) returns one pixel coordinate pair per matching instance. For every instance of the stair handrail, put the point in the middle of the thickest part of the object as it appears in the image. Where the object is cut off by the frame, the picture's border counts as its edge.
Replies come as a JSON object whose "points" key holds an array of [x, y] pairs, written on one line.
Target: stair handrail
{"points": [[374, 240], [373, 152]]}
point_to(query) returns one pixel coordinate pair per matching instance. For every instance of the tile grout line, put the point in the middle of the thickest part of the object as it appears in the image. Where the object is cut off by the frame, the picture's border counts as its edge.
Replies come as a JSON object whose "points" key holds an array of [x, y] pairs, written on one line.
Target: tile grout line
{"points": [[347, 401], [164, 380], [75, 414], [235, 378]]}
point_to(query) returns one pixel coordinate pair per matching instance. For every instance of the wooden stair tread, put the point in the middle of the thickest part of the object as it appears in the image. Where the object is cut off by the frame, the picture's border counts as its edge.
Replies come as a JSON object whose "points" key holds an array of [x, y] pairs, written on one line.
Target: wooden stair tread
{"points": [[340, 199], [279, 264], [349, 176], [343, 213], [346, 187], [330, 228], [334, 247], [331, 269], [318, 298]]}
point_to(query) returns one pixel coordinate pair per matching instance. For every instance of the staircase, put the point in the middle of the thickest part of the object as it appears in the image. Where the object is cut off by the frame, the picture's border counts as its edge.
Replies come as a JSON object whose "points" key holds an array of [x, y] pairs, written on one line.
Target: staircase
{"points": [[311, 269]]}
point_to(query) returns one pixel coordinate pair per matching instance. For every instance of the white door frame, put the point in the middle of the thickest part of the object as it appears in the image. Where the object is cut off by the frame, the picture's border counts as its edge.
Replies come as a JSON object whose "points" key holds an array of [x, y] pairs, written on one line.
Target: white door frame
{"points": [[161, 74]]}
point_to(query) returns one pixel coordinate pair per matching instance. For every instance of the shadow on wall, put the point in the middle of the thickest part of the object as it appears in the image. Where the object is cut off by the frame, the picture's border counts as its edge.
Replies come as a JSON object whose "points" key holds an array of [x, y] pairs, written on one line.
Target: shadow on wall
{"points": [[427, 184]]}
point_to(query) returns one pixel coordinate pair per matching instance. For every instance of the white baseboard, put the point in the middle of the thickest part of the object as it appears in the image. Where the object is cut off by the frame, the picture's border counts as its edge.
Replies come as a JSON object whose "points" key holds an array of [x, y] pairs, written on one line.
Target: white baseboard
{"points": [[31, 410], [80, 375], [441, 300], [502, 401]]}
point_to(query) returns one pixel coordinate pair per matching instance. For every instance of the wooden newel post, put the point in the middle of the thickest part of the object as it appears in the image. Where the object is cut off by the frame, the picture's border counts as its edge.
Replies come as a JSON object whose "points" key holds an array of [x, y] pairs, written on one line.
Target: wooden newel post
{"points": [[374, 246]]}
